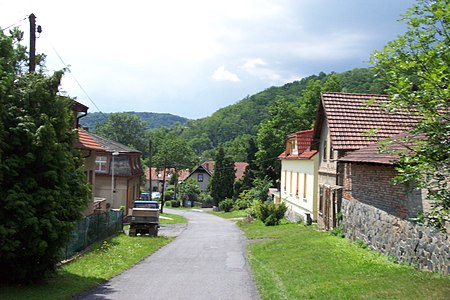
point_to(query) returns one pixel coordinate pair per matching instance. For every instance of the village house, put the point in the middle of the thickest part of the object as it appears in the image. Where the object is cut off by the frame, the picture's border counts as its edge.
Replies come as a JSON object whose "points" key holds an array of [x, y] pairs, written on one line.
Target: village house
{"points": [[157, 179], [299, 165], [347, 122], [113, 170], [203, 173], [368, 175]]}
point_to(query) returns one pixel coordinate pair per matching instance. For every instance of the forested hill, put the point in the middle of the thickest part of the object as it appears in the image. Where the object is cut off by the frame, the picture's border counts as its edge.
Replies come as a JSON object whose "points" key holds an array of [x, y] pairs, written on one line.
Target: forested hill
{"points": [[235, 123], [153, 120]]}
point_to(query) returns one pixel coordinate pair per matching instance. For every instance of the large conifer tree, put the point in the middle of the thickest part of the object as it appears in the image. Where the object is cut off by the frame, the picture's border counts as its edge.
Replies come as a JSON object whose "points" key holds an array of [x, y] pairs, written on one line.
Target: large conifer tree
{"points": [[222, 180], [43, 188]]}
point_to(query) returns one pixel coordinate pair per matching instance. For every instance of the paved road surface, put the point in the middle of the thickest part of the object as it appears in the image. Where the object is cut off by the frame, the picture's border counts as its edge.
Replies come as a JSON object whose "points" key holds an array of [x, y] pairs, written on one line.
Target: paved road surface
{"points": [[206, 261]]}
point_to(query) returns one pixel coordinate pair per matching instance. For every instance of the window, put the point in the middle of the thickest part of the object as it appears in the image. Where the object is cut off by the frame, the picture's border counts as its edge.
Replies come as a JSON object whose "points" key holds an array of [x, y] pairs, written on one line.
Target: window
{"points": [[325, 154], [290, 183], [101, 163], [200, 177], [294, 150], [305, 177], [298, 184], [321, 200]]}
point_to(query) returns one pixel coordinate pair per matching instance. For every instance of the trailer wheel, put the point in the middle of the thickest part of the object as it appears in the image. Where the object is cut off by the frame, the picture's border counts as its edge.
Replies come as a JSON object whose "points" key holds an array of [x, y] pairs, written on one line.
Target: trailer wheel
{"points": [[132, 232], [153, 231]]}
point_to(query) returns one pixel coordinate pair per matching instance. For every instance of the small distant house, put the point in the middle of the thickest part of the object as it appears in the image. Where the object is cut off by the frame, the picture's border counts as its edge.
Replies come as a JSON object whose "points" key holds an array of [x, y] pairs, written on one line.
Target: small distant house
{"points": [[299, 177], [112, 169], [203, 173], [368, 175], [347, 122], [156, 177]]}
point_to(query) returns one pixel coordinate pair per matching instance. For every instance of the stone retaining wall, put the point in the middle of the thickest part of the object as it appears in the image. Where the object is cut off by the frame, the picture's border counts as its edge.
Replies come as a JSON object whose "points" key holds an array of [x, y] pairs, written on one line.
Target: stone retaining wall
{"points": [[423, 247]]}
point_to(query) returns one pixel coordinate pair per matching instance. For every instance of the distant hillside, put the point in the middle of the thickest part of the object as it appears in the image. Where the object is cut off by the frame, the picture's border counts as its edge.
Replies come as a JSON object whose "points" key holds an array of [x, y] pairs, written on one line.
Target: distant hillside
{"points": [[153, 120], [237, 122]]}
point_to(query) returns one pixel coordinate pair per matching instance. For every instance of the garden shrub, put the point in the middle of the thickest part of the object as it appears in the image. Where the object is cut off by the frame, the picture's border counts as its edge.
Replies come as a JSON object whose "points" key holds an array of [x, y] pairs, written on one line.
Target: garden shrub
{"points": [[175, 203], [271, 214], [226, 205], [244, 201], [253, 209]]}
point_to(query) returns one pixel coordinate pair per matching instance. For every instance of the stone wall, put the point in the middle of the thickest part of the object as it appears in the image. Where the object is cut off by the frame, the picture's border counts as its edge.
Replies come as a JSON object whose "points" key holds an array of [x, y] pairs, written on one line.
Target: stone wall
{"points": [[423, 247]]}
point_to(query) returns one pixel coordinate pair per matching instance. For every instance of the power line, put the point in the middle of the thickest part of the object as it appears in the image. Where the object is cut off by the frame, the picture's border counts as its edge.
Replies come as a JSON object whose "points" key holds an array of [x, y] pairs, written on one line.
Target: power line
{"points": [[16, 23], [76, 80]]}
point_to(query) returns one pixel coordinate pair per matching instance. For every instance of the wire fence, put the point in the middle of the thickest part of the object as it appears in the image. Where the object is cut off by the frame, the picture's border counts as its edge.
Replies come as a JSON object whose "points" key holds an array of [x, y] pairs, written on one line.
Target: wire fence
{"points": [[92, 229]]}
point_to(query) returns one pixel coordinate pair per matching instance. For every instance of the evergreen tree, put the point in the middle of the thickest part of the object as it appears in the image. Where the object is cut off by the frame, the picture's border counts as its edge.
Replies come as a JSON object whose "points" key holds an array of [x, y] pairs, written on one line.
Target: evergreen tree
{"points": [[43, 189], [222, 180]]}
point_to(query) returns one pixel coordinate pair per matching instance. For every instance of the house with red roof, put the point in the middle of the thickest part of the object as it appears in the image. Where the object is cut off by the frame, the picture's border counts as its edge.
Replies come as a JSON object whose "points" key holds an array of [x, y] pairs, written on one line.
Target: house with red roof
{"points": [[368, 174], [155, 176], [298, 184], [203, 173], [112, 169], [347, 122]]}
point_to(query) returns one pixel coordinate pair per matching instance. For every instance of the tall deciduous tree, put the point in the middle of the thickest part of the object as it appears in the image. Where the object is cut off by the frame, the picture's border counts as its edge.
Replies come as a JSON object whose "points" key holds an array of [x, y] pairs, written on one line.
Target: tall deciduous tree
{"points": [[43, 189], [126, 129], [172, 151], [416, 69], [222, 180]]}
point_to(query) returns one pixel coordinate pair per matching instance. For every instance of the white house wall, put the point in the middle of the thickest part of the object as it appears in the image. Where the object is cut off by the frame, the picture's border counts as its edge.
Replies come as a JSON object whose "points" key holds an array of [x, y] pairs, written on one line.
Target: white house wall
{"points": [[298, 200]]}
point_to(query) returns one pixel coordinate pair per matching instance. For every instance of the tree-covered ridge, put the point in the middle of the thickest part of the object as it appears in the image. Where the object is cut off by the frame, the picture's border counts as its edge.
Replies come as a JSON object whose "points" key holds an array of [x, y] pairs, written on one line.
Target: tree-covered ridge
{"points": [[234, 125], [151, 119]]}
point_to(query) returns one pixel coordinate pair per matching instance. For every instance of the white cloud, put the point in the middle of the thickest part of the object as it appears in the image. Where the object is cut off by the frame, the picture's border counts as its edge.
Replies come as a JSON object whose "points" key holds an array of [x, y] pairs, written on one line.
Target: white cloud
{"points": [[222, 74], [253, 63]]}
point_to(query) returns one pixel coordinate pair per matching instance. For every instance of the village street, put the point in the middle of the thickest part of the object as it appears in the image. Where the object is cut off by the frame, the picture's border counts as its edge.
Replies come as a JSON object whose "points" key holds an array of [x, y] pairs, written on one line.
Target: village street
{"points": [[206, 261]]}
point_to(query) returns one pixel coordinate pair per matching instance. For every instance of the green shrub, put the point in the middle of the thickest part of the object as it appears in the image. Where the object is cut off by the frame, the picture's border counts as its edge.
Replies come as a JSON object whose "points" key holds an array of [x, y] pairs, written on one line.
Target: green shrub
{"points": [[168, 203], [271, 214], [206, 200], [244, 201], [253, 209], [175, 203], [226, 205], [168, 195]]}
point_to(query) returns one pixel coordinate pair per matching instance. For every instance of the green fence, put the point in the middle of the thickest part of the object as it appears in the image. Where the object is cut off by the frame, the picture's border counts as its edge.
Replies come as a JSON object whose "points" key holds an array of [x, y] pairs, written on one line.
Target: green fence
{"points": [[91, 229]]}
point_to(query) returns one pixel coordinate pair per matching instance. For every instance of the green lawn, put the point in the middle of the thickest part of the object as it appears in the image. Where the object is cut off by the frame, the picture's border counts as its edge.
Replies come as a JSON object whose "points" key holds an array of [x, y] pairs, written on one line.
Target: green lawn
{"points": [[230, 215], [104, 261], [298, 262], [175, 219]]}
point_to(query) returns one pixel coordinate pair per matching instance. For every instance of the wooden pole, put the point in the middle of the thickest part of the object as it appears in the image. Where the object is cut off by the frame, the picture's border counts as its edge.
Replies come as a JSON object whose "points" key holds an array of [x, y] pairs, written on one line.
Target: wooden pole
{"points": [[150, 169], [32, 66]]}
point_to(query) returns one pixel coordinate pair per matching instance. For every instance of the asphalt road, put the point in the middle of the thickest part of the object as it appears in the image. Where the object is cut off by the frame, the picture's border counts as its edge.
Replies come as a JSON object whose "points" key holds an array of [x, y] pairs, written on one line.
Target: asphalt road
{"points": [[206, 261]]}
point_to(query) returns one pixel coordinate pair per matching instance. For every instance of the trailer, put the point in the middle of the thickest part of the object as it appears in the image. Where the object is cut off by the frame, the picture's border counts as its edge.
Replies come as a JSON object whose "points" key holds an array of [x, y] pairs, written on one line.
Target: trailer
{"points": [[144, 218]]}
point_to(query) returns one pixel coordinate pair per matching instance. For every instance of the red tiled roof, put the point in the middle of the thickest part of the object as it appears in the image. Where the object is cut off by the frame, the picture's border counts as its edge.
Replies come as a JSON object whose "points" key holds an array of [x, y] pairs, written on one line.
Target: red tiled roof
{"points": [[379, 154], [85, 141], [352, 116], [240, 169], [182, 174], [208, 166], [303, 146]]}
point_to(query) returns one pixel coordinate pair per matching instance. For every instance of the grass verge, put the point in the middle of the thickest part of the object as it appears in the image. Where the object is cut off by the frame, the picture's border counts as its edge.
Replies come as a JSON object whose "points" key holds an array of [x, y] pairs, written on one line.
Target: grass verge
{"points": [[103, 261], [298, 262], [175, 219], [230, 215]]}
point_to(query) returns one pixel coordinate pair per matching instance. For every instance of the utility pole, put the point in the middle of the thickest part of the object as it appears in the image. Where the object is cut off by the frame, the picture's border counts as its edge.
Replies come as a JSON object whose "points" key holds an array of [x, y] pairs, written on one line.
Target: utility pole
{"points": [[164, 185], [150, 169], [32, 65]]}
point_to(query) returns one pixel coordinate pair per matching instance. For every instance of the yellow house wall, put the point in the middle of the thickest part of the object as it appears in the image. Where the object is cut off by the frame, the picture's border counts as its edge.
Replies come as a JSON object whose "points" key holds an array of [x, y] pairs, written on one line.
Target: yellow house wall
{"points": [[292, 186]]}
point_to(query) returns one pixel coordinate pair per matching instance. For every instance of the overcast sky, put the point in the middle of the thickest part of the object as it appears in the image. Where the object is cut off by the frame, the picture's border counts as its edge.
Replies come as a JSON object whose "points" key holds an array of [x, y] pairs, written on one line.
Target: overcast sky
{"points": [[190, 58]]}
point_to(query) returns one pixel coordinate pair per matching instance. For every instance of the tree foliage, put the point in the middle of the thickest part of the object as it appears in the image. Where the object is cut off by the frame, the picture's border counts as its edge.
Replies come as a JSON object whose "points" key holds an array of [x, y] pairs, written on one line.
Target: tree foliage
{"points": [[126, 129], [222, 180], [43, 188], [416, 70]]}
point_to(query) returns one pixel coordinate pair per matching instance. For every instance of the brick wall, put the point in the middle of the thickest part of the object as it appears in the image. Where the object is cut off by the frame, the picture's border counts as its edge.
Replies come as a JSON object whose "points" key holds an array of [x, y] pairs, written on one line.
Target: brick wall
{"points": [[371, 184]]}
